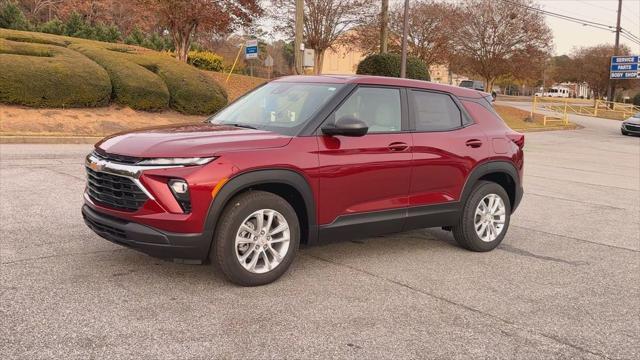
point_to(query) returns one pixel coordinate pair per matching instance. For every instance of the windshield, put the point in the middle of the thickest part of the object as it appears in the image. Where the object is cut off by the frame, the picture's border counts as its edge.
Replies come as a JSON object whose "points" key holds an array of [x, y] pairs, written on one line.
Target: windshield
{"points": [[280, 107]]}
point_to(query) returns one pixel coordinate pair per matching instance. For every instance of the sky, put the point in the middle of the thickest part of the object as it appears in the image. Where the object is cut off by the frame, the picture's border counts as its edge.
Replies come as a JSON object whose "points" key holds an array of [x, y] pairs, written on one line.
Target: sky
{"points": [[568, 35]]}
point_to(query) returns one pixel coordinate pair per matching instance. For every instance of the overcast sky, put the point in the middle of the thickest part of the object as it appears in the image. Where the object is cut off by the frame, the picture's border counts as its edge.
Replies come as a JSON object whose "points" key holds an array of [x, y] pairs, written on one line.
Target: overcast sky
{"points": [[568, 35]]}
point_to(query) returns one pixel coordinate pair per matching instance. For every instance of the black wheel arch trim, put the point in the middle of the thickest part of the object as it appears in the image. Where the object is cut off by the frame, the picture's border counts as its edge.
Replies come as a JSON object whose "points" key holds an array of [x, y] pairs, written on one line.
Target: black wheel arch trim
{"points": [[246, 180], [492, 167]]}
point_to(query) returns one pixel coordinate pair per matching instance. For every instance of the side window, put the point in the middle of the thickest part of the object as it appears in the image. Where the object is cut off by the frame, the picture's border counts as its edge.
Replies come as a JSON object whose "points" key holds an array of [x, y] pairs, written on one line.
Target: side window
{"points": [[435, 112], [378, 107]]}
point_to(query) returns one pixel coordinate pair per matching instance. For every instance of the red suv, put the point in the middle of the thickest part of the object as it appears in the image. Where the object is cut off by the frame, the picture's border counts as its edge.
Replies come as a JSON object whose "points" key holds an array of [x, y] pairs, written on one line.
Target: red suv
{"points": [[308, 159]]}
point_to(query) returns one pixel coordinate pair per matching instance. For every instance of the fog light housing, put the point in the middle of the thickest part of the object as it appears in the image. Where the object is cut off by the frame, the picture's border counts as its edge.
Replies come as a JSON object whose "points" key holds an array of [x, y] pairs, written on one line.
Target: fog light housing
{"points": [[180, 190]]}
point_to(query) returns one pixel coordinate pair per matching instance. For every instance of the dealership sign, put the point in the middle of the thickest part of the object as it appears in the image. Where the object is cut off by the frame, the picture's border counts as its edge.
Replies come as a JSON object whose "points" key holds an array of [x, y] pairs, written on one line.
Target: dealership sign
{"points": [[625, 67], [251, 49]]}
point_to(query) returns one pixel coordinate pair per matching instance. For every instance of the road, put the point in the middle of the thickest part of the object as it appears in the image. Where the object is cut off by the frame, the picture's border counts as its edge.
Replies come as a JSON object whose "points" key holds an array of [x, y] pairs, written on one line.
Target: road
{"points": [[564, 284]]}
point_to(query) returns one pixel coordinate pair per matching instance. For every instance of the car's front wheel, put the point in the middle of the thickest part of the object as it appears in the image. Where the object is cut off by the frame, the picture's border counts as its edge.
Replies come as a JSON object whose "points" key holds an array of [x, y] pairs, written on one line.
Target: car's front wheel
{"points": [[485, 218], [624, 132], [256, 239]]}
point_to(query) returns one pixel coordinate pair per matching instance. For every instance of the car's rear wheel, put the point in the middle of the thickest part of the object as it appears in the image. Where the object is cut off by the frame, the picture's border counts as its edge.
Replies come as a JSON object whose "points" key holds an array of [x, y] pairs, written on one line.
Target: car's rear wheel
{"points": [[256, 239], [485, 218]]}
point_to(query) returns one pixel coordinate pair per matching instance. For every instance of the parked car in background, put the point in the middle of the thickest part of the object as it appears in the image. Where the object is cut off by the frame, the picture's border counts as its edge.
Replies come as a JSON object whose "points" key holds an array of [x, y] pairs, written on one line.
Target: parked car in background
{"points": [[631, 126], [308, 159], [477, 85]]}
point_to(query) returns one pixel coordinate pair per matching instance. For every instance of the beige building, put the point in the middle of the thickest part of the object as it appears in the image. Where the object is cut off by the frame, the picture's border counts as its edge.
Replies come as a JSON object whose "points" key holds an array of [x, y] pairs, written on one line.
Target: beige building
{"points": [[345, 61], [341, 60]]}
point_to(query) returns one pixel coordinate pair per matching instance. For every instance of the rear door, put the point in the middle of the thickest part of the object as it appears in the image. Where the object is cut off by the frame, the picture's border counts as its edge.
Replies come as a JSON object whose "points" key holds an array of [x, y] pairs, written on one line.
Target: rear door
{"points": [[366, 179], [446, 146]]}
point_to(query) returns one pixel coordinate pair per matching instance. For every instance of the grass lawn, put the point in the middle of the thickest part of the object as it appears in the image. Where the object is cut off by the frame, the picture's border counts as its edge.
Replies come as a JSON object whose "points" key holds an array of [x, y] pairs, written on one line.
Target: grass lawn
{"points": [[518, 120]]}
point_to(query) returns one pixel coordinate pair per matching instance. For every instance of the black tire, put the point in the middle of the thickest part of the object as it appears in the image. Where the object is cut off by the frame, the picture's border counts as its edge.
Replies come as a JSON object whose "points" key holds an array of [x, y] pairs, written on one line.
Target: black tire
{"points": [[465, 233], [624, 132], [223, 251]]}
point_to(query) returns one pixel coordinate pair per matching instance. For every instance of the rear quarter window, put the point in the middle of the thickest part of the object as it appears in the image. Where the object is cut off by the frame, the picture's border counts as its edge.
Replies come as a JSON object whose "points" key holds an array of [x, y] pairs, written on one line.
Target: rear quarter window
{"points": [[435, 111]]}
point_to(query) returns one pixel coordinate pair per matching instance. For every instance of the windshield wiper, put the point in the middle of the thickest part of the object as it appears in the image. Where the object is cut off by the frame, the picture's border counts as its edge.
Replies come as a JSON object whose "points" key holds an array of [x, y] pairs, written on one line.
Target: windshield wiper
{"points": [[240, 125]]}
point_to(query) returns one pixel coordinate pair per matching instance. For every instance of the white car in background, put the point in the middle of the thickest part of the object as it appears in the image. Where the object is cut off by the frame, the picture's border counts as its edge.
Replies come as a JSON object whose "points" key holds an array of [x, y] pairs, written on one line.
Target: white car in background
{"points": [[631, 126]]}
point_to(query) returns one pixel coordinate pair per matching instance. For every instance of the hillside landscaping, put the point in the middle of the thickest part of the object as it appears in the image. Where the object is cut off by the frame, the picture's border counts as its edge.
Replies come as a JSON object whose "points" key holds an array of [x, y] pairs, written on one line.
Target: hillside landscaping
{"points": [[44, 70]]}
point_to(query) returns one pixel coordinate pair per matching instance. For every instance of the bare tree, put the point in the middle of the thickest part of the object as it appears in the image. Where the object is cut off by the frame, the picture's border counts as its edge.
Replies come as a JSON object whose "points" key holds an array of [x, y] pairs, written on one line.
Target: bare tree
{"points": [[430, 31], [491, 33], [326, 22], [184, 18], [591, 65]]}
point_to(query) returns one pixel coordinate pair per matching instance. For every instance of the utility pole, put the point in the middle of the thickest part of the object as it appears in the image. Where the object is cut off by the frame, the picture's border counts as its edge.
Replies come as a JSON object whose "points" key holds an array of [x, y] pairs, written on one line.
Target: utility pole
{"points": [[612, 88], [297, 43], [405, 30], [384, 25]]}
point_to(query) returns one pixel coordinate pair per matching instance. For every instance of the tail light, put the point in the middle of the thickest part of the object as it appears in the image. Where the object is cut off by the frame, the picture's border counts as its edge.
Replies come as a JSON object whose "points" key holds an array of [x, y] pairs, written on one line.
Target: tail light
{"points": [[517, 139]]}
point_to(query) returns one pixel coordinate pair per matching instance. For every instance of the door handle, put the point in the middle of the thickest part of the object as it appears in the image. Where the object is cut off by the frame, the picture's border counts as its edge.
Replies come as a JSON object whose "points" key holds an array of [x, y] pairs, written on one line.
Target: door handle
{"points": [[398, 146], [474, 143]]}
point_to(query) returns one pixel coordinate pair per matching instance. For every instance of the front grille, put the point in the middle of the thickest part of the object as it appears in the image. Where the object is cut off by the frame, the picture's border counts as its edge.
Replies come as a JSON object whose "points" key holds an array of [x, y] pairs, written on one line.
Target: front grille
{"points": [[105, 229], [122, 159], [115, 191], [631, 127]]}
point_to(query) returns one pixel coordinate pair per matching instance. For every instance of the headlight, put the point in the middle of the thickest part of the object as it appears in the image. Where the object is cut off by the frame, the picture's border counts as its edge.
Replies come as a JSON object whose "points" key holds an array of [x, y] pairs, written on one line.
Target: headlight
{"points": [[176, 161]]}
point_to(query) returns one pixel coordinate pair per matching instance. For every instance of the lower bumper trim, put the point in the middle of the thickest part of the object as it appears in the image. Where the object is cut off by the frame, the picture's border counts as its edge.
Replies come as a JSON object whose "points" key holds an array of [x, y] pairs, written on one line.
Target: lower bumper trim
{"points": [[185, 248]]}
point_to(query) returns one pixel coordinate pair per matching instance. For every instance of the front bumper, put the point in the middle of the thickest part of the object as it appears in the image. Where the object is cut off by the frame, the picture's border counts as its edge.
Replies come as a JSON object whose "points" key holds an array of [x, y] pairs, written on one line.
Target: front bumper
{"points": [[189, 248], [631, 128]]}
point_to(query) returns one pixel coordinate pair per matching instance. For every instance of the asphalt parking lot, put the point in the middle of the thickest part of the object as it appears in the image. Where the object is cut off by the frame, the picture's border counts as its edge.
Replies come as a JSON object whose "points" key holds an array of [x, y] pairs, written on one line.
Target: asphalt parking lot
{"points": [[564, 283]]}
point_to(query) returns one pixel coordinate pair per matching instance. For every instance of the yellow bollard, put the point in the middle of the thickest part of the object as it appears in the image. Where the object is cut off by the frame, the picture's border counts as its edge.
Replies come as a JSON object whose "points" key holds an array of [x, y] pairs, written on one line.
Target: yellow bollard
{"points": [[566, 117], [234, 64], [533, 106]]}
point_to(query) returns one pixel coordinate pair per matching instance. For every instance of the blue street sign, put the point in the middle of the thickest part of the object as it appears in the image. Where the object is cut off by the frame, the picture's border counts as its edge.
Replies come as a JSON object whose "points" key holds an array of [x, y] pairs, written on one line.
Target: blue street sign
{"points": [[625, 67], [251, 49], [624, 59]]}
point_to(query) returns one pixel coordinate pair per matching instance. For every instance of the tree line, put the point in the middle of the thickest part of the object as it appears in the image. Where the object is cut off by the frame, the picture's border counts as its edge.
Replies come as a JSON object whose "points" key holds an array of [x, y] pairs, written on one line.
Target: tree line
{"points": [[499, 41]]}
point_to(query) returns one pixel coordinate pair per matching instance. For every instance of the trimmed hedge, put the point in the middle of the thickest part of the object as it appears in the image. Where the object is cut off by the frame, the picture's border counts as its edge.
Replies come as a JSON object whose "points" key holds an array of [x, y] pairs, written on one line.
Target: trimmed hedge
{"points": [[389, 65], [43, 75], [133, 85], [139, 78]]}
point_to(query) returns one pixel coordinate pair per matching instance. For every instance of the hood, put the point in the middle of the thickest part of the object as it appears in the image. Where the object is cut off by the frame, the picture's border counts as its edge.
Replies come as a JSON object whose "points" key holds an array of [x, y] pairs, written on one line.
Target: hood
{"points": [[191, 140], [633, 120]]}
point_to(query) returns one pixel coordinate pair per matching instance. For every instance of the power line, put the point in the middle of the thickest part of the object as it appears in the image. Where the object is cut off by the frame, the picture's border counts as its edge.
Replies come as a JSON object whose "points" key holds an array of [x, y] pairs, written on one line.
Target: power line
{"points": [[630, 34], [583, 22]]}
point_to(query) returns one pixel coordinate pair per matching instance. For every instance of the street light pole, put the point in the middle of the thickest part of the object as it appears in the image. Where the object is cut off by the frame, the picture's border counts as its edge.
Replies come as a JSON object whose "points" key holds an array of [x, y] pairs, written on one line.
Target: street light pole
{"points": [[612, 89], [405, 30]]}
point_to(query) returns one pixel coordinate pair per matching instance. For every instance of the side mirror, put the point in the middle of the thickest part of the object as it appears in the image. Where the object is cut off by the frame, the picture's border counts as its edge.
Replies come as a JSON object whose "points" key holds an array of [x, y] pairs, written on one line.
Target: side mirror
{"points": [[346, 126]]}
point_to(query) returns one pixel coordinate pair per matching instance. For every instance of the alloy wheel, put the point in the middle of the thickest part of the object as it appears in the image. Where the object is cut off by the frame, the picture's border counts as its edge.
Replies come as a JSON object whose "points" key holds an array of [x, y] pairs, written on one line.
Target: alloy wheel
{"points": [[490, 217], [262, 241]]}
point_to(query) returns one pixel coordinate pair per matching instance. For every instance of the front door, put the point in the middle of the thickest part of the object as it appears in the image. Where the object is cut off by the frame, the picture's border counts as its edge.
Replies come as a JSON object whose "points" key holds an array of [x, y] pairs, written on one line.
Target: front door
{"points": [[364, 181]]}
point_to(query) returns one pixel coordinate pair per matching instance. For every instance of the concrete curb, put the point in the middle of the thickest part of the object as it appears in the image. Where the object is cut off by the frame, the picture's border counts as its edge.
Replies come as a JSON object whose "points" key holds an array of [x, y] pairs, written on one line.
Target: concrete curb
{"points": [[8, 139]]}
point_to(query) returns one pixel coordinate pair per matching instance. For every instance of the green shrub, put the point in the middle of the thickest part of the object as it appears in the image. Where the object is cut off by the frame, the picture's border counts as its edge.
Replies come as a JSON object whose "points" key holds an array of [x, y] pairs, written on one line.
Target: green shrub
{"points": [[389, 65], [205, 60], [50, 76], [11, 17], [133, 85], [136, 77], [192, 90], [55, 26]]}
